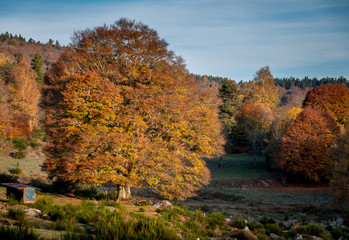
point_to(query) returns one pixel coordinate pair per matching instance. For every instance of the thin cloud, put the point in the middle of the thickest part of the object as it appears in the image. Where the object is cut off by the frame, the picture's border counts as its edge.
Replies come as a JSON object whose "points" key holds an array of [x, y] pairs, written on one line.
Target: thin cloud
{"points": [[224, 38]]}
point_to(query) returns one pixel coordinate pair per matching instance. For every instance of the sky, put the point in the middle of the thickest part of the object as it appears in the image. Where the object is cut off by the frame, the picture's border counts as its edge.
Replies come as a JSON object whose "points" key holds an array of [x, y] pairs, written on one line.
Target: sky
{"points": [[226, 38]]}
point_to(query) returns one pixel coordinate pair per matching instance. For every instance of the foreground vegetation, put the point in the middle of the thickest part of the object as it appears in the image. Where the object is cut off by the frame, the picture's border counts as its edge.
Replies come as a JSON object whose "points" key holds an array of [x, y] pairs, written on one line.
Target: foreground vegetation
{"points": [[239, 195]]}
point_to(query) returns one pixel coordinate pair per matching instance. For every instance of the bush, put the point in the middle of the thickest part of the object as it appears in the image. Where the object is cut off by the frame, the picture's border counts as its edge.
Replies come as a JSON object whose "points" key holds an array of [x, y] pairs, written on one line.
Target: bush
{"points": [[139, 227], [313, 229], [44, 204], [34, 144], [238, 223], [56, 213], [20, 233], [20, 143], [16, 214], [273, 228], [38, 134], [254, 225], [337, 233], [262, 236], [216, 219], [11, 200], [16, 170], [19, 154]]}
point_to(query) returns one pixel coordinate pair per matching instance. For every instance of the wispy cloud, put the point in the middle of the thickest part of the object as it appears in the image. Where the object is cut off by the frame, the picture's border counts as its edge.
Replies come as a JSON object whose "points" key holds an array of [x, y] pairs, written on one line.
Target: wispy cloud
{"points": [[224, 37]]}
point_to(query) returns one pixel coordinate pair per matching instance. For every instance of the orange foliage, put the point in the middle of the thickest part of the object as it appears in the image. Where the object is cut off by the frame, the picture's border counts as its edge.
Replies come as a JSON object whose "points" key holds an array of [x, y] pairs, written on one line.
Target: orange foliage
{"points": [[19, 97], [332, 98], [123, 109], [303, 150]]}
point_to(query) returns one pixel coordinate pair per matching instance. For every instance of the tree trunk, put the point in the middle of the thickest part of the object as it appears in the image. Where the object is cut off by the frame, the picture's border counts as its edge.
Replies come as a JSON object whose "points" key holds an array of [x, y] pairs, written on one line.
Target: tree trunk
{"points": [[283, 179], [124, 192], [254, 152], [221, 161]]}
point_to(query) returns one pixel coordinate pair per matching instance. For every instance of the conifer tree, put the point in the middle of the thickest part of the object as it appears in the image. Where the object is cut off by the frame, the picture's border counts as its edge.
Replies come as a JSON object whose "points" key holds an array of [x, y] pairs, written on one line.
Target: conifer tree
{"points": [[36, 65]]}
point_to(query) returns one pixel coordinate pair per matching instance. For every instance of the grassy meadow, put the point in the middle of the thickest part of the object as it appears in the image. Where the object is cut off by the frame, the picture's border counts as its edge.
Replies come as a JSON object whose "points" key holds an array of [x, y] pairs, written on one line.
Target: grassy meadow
{"points": [[238, 189]]}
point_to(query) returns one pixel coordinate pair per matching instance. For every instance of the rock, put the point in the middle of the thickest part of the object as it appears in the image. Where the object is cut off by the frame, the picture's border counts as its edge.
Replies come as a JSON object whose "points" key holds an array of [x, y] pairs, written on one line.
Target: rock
{"points": [[166, 203], [144, 203], [264, 183], [163, 204], [306, 237], [33, 212], [5, 222], [112, 209], [336, 223], [274, 236], [241, 235], [289, 224]]}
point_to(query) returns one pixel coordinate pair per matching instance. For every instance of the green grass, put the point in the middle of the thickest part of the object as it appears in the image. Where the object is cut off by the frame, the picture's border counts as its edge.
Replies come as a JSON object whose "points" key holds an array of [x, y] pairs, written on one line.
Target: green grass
{"points": [[237, 190]]}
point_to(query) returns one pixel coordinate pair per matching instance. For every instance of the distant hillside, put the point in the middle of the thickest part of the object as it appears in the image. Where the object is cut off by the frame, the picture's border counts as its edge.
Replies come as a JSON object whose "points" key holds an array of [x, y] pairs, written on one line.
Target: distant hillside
{"points": [[14, 45]]}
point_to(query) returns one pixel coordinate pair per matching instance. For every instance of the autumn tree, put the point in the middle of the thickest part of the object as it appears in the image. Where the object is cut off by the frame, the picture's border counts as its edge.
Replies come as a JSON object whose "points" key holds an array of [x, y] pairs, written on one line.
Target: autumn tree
{"points": [[262, 90], [339, 153], [24, 95], [19, 99], [303, 151], [122, 109], [332, 98], [254, 122]]}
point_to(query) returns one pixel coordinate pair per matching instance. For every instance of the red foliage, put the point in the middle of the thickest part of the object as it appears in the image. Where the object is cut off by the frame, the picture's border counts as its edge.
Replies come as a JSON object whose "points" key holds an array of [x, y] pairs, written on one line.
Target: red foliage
{"points": [[332, 98], [303, 150]]}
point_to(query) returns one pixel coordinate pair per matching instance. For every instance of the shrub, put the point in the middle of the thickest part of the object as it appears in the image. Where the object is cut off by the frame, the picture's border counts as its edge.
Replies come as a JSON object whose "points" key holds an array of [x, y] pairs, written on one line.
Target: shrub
{"points": [[216, 219], [11, 200], [273, 228], [44, 204], [313, 229], [34, 144], [16, 214], [337, 233], [16, 170], [238, 223], [19, 154], [262, 236], [56, 213], [254, 225], [20, 143], [20, 233], [139, 227]]}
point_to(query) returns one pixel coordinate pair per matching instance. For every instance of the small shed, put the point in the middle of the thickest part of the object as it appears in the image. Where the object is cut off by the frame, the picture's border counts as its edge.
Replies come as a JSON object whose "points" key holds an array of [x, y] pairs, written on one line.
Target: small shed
{"points": [[20, 192]]}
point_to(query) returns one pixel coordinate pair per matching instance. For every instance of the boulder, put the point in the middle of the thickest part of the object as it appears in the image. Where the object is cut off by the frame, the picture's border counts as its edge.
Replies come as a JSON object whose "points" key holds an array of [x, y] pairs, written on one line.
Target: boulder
{"points": [[306, 237], [274, 236], [33, 212]]}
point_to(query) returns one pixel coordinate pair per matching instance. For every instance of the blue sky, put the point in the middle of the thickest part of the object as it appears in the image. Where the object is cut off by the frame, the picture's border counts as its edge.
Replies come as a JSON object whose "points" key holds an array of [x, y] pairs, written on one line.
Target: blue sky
{"points": [[228, 38]]}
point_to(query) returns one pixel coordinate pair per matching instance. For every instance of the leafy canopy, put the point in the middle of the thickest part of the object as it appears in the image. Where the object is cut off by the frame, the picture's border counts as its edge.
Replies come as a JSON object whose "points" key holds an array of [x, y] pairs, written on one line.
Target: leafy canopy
{"points": [[123, 109], [303, 151]]}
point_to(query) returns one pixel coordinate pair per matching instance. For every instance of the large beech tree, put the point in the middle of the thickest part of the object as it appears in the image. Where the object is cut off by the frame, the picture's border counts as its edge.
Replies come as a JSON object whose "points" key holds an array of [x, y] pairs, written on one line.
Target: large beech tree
{"points": [[303, 150], [332, 98], [122, 109]]}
